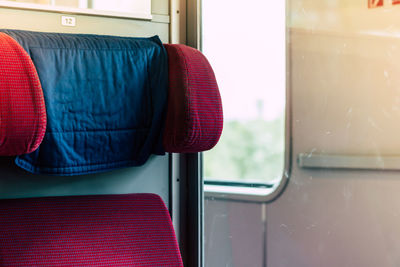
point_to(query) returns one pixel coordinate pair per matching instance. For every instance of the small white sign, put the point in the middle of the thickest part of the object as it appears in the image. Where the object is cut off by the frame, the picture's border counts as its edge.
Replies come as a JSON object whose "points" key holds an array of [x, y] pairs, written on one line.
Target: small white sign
{"points": [[68, 21]]}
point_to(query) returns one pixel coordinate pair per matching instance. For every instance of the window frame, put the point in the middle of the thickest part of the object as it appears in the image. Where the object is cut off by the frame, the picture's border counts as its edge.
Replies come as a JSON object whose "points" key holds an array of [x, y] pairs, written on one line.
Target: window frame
{"points": [[77, 11]]}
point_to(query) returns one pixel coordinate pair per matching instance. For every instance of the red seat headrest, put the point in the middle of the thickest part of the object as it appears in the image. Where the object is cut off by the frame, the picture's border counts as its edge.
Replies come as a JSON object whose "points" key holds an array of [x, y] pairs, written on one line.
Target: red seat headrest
{"points": [[22, 108], [194, 117]]}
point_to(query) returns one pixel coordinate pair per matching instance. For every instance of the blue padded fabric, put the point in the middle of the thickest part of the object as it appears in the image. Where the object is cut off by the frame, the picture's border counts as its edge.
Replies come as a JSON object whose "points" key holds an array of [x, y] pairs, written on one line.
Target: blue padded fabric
{"points": [[105, 98]]}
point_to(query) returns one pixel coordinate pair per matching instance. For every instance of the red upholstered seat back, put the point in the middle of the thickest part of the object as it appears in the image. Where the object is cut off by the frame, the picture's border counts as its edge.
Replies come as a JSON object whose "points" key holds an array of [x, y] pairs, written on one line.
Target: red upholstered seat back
{"points": [[22, 109], [113, 230], [194, 118]]}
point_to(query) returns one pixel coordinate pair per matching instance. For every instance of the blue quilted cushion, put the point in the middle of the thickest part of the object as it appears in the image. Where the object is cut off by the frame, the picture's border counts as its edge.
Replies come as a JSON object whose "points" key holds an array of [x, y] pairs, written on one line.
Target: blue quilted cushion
{"points": [[105, 99]]}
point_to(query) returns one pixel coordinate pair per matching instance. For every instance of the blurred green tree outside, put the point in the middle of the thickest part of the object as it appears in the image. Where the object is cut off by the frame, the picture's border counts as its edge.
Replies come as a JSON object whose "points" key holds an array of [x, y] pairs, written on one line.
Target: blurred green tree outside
{"points": [[248, 151]]}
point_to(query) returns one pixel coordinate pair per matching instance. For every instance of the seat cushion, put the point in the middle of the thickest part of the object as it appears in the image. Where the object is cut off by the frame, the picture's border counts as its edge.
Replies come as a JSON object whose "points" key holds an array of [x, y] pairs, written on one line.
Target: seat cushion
{"points": [[22, 108], [108, 230], [194, 115]]}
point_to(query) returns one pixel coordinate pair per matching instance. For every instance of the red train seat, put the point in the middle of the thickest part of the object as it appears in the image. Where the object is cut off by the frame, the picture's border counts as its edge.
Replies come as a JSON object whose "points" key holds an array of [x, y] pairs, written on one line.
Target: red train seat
{"points": [[108, 230], [194, 117], [22, 108]]}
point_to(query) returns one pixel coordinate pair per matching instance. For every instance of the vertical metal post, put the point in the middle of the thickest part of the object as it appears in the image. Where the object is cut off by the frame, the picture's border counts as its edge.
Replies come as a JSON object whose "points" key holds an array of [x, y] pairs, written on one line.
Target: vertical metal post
{"points": [[193, 24], [189, 223], [195, 210], [187, 179]]}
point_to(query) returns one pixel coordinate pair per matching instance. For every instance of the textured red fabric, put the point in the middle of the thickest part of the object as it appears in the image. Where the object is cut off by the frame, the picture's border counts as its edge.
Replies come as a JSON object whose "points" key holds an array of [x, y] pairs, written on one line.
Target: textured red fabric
{"points": [[194, 117], [22, 108], [109, 230]]}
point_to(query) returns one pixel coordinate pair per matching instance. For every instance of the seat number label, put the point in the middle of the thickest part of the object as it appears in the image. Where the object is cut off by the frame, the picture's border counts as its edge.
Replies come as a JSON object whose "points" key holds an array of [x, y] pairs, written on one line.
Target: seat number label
{"points": [[68, 21]]}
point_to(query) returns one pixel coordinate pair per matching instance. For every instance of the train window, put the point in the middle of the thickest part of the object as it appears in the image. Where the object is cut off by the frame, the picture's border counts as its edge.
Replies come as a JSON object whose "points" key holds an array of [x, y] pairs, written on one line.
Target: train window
{"points": [[117, 8], [245, 44]]}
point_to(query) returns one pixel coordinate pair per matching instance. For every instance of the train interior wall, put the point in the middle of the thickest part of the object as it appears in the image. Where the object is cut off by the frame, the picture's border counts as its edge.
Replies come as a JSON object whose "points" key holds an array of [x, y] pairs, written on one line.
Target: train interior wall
{"points": [[344, 89]]}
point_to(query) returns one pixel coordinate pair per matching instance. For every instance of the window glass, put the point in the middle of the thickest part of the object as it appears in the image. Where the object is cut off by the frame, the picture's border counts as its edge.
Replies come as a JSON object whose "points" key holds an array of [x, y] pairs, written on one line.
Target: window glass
{"points": [[245, 44], [121, 6]]}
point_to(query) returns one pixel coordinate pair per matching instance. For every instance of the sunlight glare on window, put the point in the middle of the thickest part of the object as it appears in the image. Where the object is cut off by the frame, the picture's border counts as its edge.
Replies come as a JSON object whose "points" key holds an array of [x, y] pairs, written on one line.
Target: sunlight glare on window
{"points": [[245, 44]]}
